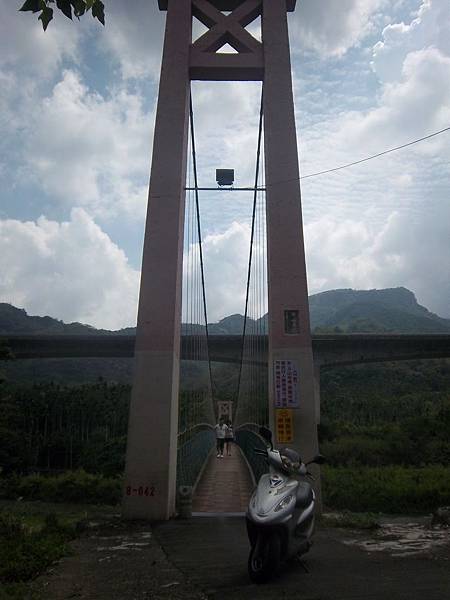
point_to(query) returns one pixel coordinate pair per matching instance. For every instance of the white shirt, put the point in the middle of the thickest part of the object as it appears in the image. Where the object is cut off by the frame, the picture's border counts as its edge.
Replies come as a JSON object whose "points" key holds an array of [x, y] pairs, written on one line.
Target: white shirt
{"points": [[220, 431]]}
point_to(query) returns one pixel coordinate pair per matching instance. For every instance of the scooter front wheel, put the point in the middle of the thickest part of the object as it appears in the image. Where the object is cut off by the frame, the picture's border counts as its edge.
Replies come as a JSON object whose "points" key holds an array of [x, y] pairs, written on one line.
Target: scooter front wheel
{"points": [[264, 558]]}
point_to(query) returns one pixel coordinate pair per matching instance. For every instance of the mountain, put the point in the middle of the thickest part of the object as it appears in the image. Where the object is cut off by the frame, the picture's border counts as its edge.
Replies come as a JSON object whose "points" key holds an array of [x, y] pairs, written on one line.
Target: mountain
{"points": [[16, 321], [393, 310], [232, 325]]}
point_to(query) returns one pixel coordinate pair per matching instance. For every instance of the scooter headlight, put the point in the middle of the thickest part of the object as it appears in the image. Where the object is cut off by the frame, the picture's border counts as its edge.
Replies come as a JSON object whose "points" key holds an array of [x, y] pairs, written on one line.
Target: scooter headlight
{"points": [[283, 503]]}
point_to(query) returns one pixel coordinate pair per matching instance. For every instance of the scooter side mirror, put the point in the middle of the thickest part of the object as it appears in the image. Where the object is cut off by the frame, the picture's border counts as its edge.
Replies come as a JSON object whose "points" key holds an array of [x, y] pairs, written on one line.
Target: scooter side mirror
{"points": [[319, 459], [266, 434]]}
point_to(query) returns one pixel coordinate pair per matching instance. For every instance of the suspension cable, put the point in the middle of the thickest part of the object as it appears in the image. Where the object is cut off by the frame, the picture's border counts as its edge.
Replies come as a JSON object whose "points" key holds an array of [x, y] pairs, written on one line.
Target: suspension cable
{"points": [[194, 164], [255, 195]]}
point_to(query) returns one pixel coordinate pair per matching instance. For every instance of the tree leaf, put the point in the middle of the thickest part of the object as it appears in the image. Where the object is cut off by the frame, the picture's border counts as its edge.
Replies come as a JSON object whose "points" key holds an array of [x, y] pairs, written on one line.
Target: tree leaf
{"points": [[79, 7], [46, 16], [32, 5], [98, 10], [64, 6], [89, 4]]}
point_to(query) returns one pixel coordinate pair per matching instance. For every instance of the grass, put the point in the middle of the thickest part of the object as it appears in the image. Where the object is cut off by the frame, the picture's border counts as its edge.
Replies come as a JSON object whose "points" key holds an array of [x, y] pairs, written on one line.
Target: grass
{"points": [[72, 486], [34, 513], [20, 591], [393, 490], [34, 535]]}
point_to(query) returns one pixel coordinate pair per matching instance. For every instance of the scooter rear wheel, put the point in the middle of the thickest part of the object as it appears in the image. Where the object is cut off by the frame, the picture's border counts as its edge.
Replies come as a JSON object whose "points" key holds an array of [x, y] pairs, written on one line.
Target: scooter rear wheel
{"points": [[264, 558]]}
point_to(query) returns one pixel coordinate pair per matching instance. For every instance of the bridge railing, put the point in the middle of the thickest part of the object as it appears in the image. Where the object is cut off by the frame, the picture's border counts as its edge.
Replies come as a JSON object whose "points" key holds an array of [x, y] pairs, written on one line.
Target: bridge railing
{"points": [[194, 446], [248, 439]]}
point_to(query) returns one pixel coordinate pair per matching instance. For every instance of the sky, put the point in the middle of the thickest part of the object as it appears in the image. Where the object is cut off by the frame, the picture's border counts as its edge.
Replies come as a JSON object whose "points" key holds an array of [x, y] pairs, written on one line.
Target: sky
{"points": [[77, 110]]}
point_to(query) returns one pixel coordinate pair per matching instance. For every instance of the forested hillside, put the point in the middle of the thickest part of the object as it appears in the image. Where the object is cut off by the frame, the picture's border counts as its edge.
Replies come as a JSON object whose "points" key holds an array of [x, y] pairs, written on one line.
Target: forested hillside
{"points": [[385, 428], [394, 310], [395, 413], [389, 414]]}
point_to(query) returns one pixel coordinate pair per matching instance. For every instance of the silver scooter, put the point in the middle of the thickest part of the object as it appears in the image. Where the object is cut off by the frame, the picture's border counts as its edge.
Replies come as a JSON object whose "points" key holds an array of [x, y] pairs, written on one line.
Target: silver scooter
{"points": [[280, 515]]}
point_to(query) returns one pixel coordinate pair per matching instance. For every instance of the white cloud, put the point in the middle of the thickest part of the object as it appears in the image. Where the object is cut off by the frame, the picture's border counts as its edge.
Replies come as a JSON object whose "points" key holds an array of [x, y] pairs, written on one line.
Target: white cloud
{"points": [[412, 106], [226, 259], [342, 253], [71, 271], [354, 217], [93, 150], [25, 46], [354, 254], [226, 116], [134, 37], [29, 59], [430, 27], [384, 223], [331, 28], [411, 100]]}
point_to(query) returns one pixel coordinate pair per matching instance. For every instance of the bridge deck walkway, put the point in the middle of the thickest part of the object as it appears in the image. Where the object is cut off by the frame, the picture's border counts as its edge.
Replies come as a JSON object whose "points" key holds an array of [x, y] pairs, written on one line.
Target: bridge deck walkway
{"points": [[225, 486]]}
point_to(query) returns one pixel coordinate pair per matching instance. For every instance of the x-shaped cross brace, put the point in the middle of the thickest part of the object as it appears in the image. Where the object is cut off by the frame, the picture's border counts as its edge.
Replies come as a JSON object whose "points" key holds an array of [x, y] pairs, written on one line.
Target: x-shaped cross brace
{"points": [[229, 28]]}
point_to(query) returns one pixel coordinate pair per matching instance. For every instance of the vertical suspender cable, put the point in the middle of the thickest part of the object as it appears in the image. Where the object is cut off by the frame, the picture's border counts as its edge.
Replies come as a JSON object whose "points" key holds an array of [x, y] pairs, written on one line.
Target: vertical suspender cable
{"points": [[255, 194], [194, 164]]}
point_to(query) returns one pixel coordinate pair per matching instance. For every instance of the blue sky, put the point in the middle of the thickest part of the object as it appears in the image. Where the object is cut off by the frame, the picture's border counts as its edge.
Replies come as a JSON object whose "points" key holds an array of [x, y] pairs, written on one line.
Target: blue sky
{"points": [[76, 121]]}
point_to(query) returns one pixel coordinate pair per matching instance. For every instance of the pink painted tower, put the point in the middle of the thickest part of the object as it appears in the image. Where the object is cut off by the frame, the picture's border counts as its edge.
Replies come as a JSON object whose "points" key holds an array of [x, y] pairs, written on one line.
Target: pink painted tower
{"points": [[150, 476]]}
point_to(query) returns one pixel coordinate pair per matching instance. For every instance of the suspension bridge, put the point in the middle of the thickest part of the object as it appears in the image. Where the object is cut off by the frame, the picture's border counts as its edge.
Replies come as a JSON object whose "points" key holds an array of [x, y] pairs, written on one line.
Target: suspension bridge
{"points": [[171, 436], [171, 439]]}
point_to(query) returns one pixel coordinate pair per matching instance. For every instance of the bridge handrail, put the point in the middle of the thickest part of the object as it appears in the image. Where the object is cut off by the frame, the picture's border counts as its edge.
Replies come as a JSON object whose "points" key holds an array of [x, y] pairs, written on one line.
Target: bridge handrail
{"points": [[248, 440], [250, 426], [197, 426], [192, 455]]}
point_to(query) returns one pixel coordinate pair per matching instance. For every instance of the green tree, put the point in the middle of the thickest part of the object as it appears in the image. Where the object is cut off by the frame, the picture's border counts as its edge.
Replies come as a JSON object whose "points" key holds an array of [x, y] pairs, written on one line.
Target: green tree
{"points": [[5, 354], [69, 8]]}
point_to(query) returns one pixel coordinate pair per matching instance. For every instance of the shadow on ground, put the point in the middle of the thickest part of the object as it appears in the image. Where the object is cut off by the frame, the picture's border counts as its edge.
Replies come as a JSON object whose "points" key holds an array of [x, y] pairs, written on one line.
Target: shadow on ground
{"points": [[206, 558]]}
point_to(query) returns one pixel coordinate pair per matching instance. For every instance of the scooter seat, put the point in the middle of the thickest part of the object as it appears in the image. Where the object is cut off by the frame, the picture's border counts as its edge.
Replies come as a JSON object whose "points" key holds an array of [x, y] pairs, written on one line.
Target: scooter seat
{"points": [[304, 494]]}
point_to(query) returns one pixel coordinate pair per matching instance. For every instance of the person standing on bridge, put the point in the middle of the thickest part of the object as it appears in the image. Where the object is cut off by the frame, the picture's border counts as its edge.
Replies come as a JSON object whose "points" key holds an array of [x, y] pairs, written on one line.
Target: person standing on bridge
{"points": [[228, 438], [220, 430]]}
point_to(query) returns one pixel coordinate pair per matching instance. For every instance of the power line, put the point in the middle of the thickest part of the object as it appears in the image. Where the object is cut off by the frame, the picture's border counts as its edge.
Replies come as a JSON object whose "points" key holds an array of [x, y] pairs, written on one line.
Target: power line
{"points": [[351, 164], [357, 162]]}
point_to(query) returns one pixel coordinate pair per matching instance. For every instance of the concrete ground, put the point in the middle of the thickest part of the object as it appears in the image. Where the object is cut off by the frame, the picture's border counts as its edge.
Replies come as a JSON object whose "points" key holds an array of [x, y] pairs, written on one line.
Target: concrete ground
{"points": [[206, 558], [339, 566], [118, 561]]}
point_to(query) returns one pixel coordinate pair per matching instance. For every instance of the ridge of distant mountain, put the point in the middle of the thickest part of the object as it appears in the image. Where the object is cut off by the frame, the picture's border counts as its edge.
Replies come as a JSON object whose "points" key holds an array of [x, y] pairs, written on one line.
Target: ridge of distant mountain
{"points": [[16, 321], [234, 324], [392, 310]]}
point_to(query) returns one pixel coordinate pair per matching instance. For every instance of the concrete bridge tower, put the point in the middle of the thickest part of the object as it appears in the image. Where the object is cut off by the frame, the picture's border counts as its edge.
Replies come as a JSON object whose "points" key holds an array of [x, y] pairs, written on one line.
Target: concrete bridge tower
{"points": [[150, 475]]}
